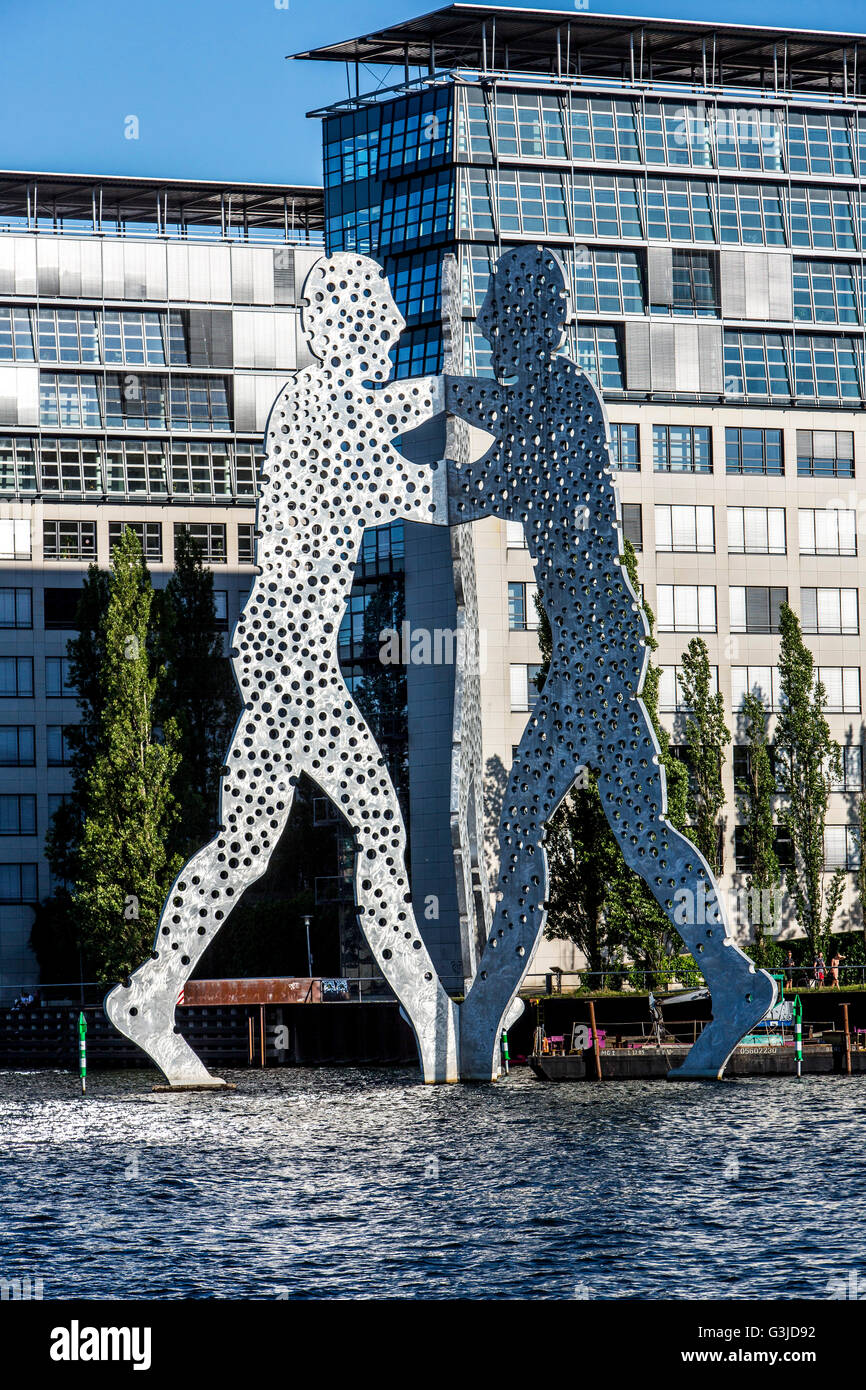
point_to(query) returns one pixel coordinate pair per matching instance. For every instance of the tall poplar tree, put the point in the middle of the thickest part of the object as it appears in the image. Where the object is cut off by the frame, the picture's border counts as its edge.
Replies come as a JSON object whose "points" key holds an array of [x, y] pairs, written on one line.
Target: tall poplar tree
{"points": [[197, 689], [755, 794], [123, 867], [706, 737], [808, 762]]}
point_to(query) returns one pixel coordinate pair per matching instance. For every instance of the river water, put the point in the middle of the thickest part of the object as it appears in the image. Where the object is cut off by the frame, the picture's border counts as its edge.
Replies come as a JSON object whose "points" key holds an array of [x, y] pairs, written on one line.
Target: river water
{"points": [[358, 1184]]}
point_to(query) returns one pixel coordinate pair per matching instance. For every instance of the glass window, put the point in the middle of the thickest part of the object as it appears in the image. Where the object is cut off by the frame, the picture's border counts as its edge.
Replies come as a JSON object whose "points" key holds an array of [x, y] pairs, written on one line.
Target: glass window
{"points": [[828, 531], [16, 676], [756, 364], [149, 535], [756, 608], [761, 681], [686, 607], [17, 465], [685, 528], [16, 336], [597, 351], [14, 538], [829, 610], [19, 883], [825, 453], [827, 291], [841, 689], [682, 449], [58, 746], [58, 677], [756, 530], [625, 447], [210, 536], [71, 466], [16, 608], [17, 814], [17, 745], [69, 540], [753, 451]]}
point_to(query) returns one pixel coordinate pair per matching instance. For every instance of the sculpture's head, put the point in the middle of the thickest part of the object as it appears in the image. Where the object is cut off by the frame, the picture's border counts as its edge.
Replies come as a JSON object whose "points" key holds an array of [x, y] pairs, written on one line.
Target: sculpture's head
{"points": [[348, 313], [525, 310]]}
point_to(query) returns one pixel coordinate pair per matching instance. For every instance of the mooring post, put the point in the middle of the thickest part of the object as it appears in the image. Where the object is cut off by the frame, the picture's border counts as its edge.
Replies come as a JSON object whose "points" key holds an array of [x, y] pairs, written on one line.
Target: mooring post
{"points": [[797, 1015], [595, 1047], [847, 1039], [82, 1051]]}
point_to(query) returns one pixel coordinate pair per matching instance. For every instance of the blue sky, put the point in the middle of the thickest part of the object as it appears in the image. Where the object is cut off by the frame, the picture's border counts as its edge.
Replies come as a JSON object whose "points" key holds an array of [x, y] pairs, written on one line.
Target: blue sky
{"points": [[208, 80]]}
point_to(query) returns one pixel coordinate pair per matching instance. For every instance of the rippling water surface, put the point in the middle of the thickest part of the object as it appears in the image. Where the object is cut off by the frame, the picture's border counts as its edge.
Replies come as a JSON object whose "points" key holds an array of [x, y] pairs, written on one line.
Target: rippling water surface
{"points": [[360, 1184]]}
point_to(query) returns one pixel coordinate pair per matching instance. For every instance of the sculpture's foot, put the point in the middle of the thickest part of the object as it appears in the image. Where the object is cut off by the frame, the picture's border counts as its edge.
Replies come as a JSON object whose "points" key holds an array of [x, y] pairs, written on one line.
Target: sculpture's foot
{"points": [[707, 1059], [480, 1056], [438, 1043], [147, 1018]]}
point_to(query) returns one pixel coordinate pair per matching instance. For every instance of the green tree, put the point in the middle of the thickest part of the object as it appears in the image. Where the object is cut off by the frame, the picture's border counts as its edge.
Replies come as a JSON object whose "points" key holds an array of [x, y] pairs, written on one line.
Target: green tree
{"points": [[861, 865], [706, 737], [755, 794], [123, 867], [808, 761], [197, 689]]}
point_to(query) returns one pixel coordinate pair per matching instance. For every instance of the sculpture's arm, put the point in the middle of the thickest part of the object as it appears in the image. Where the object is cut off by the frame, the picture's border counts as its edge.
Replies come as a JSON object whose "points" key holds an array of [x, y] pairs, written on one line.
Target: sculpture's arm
{"points": [[411, 402], [475, 400]]}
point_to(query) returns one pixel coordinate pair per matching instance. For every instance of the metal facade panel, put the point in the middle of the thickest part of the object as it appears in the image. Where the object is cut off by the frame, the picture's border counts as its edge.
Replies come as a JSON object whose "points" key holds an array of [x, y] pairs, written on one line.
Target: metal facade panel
{"points": [[757, 285], [48, 266], [91, 269], [177, 272], [733, 284], [780, 276], [284, 275], [710, 358], [69, 268], [662, 357], [7, 265], [285, 357], [267, 387], [8, 395], [637, 356], [25, 265], [222, 342], [155, 277], [660, 274], [305, 259], [244, 337], [134, 271], [245, 404], [220, 274], [112, 269], [242, 275], [263, 340], [27, 393], [199, 273], [263, 276], [687, 366]]}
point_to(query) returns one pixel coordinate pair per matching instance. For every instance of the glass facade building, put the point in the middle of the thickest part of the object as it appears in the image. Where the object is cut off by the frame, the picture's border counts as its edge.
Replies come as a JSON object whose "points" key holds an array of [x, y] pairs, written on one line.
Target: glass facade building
{"points": [[145, 329], [704, 187]]}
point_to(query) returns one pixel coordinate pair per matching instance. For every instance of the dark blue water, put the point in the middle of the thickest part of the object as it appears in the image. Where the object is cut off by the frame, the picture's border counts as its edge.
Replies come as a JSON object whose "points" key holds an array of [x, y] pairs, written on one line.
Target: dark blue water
{"points": [[361, 1184]]}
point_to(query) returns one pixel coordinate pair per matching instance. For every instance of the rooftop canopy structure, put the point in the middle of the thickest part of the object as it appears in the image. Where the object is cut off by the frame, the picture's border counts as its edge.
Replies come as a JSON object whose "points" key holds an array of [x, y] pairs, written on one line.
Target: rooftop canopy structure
{"points": [[565, 43], [92, 203]]}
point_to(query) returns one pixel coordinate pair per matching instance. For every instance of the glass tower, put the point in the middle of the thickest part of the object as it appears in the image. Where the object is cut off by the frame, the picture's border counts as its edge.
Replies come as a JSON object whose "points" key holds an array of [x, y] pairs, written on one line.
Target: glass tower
{"points": [[703, 185]]}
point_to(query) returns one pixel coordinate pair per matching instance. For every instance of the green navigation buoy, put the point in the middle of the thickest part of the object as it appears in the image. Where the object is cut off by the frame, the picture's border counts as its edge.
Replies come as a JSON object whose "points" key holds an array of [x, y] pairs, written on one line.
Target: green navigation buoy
{"points": [[797, 1015], [82, 1051]]}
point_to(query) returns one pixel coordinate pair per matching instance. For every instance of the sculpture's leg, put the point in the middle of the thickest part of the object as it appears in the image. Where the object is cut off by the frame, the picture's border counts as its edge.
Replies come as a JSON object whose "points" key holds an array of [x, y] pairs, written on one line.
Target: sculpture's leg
{"points": [[201, 898], [535, 789], [361, 787], [631, 793]]}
